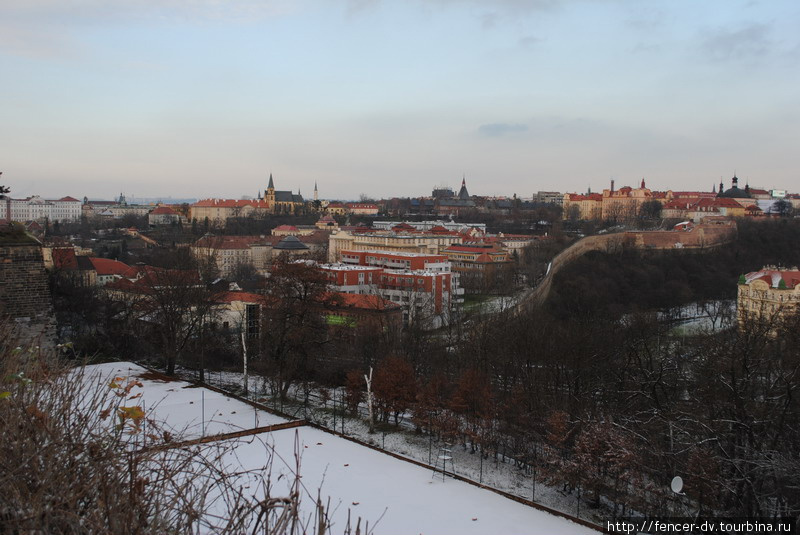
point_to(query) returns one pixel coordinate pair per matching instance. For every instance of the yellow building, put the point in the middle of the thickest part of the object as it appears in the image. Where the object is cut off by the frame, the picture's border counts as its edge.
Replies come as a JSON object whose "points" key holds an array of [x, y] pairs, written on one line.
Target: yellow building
{"points": [[623, 204], [770, 294], [576, 206]]}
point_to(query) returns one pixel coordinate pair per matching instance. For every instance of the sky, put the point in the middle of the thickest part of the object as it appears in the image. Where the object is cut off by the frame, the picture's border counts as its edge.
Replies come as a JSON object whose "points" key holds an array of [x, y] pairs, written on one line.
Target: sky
{"points": [[206, 98]]}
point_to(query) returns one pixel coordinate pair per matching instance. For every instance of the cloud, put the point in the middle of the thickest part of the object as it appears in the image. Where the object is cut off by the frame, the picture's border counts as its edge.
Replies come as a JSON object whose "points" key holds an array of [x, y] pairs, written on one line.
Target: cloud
{"points": [[36, 43], [530, 40], [103, 10], [744, 43], [501, 129]]}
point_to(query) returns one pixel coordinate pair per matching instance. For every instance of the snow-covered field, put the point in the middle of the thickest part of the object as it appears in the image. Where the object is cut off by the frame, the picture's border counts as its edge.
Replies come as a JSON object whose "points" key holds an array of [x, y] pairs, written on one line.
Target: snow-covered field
{"points": [[405, 497], [180, 407], [399, 496]]}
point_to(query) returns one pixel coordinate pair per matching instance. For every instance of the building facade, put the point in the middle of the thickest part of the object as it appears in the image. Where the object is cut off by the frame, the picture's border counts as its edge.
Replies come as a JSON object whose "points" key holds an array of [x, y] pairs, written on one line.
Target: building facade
{"points": [[770, 294], [35, 208]]}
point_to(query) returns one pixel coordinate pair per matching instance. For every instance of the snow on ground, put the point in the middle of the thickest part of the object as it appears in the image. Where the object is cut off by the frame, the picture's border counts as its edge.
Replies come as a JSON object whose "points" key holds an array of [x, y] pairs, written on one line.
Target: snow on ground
{"points": [[401, 497], [405, 497], [181, 407], [495, 473]]}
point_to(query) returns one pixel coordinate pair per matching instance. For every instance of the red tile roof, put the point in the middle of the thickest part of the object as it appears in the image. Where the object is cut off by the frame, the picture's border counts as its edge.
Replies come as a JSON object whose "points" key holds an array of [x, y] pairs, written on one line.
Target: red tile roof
{"points": [[364, 301], [164, 210], [107, 266], [773, 277]]}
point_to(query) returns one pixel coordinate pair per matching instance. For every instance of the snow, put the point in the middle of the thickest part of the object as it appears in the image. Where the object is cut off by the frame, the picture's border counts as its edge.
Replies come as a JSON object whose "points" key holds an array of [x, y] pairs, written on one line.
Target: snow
{"points": [[182, 408], [400, 496], [407, 497]]}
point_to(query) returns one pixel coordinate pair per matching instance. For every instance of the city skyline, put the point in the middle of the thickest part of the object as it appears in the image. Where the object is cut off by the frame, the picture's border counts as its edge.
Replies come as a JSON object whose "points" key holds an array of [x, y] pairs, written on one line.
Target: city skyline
{"points": [[206, 99]]}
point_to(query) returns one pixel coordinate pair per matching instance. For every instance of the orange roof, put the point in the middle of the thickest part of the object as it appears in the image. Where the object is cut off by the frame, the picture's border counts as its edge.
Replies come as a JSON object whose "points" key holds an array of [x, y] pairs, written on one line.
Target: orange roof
{"points": [[107, 266], [164, 210], [590, 197], [286, 227], [365, 301]]}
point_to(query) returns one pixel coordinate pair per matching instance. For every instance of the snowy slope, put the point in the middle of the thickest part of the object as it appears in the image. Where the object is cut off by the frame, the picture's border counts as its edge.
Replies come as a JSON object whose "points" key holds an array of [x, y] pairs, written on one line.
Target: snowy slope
{"points": [[400, 496]]}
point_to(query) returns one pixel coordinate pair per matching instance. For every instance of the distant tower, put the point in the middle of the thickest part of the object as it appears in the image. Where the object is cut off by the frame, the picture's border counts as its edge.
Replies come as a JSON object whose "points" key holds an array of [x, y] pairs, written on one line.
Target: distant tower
{"points": [[463, 194], [269, 193], [714, 188], [316, 195], [643, 183]]}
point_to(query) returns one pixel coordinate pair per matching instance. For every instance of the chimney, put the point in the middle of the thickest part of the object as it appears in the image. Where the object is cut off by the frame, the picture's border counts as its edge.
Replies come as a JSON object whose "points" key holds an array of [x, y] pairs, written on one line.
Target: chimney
{"points": [[612, 185]]}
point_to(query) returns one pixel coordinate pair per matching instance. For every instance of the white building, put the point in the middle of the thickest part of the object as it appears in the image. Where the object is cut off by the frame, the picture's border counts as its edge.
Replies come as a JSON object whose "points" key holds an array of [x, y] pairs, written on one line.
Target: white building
{"points": [[35, 208]]}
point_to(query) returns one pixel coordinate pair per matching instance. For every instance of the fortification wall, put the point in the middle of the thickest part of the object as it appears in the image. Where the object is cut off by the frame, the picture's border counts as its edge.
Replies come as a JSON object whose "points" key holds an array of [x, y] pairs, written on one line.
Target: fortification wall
{"points": [[25, 301], [701, 237]]}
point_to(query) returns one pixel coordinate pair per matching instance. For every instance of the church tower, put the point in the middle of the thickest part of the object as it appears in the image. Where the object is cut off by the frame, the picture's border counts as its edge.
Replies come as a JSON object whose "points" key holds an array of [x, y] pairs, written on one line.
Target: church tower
{"points": [[463, 194], [316, 194], [269, 193]]}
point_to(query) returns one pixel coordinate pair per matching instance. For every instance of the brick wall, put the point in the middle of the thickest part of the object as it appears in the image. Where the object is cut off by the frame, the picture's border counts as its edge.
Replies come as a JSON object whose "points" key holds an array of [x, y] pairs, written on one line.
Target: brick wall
{"points": [[24, 294]]}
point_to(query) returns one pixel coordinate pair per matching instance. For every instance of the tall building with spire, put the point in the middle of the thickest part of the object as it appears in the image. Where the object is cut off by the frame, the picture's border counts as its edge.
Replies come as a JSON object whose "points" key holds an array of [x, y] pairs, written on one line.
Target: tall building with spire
{"points": [[463, 194], [282, 201]]}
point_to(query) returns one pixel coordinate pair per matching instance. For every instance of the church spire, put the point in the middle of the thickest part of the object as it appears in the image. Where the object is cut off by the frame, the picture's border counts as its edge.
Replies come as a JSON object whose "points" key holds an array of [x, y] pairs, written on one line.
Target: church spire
{"points": [[271, 185]]}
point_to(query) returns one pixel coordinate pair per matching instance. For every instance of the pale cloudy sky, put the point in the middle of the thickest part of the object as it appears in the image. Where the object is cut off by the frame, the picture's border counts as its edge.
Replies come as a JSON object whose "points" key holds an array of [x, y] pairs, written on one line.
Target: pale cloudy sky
{"points": [[204, 98]]}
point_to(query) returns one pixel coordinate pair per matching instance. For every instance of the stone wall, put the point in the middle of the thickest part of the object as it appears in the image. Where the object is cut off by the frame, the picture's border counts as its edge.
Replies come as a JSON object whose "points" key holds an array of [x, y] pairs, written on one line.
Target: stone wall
{"points": [[25, 300]]}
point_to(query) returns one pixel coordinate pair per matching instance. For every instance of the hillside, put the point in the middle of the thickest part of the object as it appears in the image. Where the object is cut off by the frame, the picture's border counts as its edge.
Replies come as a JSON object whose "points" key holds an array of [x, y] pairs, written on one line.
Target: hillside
{"points": [[615, 284]]}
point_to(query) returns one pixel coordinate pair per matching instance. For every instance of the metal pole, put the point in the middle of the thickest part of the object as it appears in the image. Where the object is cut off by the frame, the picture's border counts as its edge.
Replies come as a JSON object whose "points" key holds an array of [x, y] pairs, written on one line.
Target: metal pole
{"points": [[203, 411], [244, 355]]}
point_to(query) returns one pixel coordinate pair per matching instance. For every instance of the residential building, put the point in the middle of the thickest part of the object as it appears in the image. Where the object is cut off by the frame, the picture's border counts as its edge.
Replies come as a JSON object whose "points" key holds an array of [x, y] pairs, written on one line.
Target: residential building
{"points": [[165, 215], [227, 252], [770, 294], [357, 311], [368, 240], [549, 197], [425, 296], [361, 208], [577, 206]]}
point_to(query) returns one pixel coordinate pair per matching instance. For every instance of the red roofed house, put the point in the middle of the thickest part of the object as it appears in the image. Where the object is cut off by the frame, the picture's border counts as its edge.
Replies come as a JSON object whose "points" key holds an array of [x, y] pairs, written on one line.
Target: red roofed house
{"points": [[480, 266], [589, 206], [109, 270], [164, 215], [770, 294], [364, 311]]}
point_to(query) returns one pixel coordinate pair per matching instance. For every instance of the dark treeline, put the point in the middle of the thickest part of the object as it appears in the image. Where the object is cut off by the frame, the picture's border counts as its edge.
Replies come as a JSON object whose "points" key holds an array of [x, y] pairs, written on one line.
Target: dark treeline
{"points": [[615, 410], [636, 280]]}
